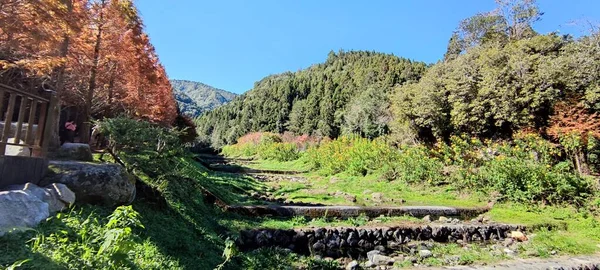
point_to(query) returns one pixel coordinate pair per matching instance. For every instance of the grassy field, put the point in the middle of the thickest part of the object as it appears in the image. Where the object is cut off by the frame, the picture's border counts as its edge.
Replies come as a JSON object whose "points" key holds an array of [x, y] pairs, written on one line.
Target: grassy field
{"points": [[560, 229]]}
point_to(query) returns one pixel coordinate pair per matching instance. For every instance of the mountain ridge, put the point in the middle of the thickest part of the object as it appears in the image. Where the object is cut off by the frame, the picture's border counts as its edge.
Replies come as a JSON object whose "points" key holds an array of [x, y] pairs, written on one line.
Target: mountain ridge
{"points": [[195, 98]]}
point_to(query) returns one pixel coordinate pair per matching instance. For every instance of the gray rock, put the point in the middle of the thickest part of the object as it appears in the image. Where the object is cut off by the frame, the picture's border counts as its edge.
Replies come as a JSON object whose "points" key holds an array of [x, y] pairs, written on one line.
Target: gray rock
{"points": [[14, 150], [454, 259], [63, 193], [108, 184], [378, 197], [353, 265], [21, 209], [350, 198], [427, 218], [74, 151], [57, 196], [424, 253], [379, 259], [509, 252], [372, 253]]}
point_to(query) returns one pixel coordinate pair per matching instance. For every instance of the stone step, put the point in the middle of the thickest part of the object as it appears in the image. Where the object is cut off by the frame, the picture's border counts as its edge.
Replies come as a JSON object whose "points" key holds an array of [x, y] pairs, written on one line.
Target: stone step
{"points": [[339, 242], [355, 211]]}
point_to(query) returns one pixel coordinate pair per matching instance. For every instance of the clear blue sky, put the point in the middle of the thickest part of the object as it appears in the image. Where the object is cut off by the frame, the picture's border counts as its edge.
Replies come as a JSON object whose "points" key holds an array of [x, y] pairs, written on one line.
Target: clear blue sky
{"points": [[231, 44]]}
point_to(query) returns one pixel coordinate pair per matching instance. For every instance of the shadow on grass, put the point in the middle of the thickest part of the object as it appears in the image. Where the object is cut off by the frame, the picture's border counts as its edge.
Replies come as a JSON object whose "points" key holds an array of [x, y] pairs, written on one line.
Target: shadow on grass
{"points": [[15, 248]]}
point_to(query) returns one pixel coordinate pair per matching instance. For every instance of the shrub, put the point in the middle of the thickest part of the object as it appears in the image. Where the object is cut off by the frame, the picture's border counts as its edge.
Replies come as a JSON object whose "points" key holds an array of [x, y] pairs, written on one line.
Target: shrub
{"points": [[352, 154], [414, 165], [278, 151], [137, 136], [529, 181]]}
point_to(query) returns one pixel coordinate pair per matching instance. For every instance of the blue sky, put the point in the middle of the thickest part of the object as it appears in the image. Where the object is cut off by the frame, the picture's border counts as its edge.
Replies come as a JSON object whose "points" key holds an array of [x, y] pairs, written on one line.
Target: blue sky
{"points": [[231, 44]]}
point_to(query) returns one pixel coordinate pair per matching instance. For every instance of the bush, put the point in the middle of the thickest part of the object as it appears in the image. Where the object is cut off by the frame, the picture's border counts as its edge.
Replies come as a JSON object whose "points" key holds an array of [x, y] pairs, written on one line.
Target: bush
{"points": [[352, 154], [414, 165], [529, 181], [137, 136], [278, 151]]}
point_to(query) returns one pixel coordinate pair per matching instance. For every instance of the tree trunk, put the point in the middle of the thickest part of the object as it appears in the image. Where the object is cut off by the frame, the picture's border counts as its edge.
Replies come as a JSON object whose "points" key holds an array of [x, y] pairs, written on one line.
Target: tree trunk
{"points": [[87, 125], [581, 163], [60, 82]]}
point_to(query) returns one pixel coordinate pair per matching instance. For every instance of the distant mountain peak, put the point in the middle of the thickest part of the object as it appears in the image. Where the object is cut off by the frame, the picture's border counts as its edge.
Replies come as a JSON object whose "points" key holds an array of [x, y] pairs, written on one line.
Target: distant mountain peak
{"points": [[194, 98]]}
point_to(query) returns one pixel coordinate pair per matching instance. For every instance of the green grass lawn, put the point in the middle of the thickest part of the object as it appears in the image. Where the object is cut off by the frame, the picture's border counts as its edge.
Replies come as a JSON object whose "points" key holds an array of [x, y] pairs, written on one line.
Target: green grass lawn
{"points": [[560, 229]]}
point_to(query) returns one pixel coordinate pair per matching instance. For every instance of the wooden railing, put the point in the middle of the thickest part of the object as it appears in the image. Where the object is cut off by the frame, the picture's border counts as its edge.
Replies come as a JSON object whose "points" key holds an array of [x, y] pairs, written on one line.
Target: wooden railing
{"points": [[33, 127]]}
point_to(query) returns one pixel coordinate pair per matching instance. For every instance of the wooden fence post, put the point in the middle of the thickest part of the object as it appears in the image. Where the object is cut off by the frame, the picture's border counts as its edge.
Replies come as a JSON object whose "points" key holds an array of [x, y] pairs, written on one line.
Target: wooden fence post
{"points": [[50, 122]]}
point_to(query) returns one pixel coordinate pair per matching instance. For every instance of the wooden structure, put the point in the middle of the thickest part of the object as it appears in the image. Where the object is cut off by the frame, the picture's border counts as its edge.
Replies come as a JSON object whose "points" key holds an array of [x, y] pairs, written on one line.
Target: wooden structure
{"points": [[25, 130]]}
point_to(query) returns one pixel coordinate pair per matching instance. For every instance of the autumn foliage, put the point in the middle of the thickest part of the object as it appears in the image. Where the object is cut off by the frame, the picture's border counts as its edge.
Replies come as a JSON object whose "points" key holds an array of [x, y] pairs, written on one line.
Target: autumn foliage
{"points": [[94, 53], [575, 126]]}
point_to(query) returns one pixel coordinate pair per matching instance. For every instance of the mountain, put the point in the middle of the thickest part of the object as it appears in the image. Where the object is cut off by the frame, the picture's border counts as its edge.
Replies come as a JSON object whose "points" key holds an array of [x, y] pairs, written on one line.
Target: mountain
{"points": [[348, 94], [194, 98]]}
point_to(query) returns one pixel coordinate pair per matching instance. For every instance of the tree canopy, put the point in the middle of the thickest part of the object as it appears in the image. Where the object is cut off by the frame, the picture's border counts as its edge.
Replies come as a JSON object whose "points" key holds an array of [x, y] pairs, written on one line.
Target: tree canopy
{"points": [[326, 99]]}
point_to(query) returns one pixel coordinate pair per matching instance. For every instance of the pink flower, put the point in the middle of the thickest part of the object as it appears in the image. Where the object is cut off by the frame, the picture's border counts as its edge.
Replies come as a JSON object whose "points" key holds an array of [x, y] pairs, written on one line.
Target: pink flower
{"points": [[71, 126]]}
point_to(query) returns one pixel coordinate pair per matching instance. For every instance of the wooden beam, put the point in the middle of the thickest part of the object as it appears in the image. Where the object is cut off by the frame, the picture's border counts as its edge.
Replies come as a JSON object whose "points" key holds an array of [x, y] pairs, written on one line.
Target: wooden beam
{"points": [[21, 118], [32, 111], [7, 123], [50, 122]]}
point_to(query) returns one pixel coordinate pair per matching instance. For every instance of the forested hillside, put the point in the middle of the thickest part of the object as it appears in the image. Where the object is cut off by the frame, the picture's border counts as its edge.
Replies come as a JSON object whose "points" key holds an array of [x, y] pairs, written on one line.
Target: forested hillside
{"points": [[346, 94], [195, 98]]}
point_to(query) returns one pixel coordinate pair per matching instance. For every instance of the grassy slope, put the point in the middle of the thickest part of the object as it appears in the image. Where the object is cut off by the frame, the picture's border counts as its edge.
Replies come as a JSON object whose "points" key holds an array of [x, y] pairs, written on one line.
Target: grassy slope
{"points": [[575, 231], [186, 233], [183, 233]]}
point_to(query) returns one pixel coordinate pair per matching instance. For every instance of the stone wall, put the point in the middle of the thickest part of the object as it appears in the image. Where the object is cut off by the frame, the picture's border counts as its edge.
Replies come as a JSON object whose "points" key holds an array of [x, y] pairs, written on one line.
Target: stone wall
{"points": [[339, 242]]}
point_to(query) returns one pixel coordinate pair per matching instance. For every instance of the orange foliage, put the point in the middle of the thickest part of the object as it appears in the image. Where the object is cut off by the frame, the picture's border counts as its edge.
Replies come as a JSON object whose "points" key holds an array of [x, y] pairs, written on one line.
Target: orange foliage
{"points": [[574, 119], [55, 42]]}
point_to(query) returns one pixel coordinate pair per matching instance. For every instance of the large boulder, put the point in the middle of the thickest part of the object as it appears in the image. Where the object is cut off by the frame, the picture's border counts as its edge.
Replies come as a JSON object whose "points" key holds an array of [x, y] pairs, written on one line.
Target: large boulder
{"points": [[57, 196], [21, 209], [107, 184], [74, 151]]}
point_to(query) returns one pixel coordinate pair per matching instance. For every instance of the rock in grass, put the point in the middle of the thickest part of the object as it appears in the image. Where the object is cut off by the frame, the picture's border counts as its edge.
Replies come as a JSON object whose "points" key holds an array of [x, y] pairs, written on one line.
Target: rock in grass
{"points": [[509, 252], [425, 253], [443, 219], [350, 198], [21, 209], [377, 197], [107, 184], [519, 236], [427, 218], [353, 265], [57, 196]]}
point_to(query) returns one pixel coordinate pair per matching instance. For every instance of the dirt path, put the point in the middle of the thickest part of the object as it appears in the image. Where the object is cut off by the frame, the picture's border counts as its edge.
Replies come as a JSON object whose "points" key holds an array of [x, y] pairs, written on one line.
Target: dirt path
{"points": [[591, 262]]}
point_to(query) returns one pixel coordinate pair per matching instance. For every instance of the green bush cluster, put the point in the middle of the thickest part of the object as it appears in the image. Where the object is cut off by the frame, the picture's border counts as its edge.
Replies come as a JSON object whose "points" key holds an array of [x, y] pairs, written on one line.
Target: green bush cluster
{"points": [[138, 136], [352, 154], [526, 169], [268, 146], [278, 151]]}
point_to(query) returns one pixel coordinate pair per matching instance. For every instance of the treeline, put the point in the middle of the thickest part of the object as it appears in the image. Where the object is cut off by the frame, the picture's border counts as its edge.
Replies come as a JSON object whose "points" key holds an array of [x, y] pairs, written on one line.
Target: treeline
{"points": [[94, 53], [498, 77], [346, 94]]}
